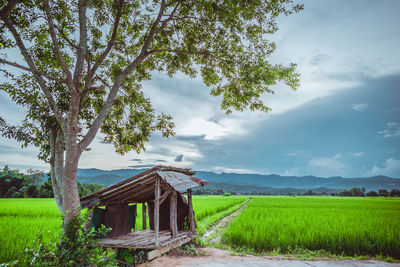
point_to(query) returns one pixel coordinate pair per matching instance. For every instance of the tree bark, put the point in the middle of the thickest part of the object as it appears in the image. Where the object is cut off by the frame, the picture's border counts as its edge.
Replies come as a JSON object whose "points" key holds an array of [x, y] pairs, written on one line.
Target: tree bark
{"points": [[72, 155]]}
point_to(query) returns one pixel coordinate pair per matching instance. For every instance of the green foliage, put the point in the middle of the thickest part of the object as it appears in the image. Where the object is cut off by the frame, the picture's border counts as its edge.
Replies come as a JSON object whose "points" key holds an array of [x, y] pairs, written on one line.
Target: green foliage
{"points": [[14, 184], [339, 225], [224, 42], [74, 249]]}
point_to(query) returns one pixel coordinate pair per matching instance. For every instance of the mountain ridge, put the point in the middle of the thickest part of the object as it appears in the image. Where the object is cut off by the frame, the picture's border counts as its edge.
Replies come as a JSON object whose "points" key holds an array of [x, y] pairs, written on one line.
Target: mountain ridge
{"points": [[253, 182]]}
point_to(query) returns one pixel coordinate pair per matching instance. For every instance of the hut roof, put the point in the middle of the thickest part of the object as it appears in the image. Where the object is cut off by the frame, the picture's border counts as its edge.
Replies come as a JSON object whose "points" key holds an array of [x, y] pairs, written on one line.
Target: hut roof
{"points": [[141, 187]]}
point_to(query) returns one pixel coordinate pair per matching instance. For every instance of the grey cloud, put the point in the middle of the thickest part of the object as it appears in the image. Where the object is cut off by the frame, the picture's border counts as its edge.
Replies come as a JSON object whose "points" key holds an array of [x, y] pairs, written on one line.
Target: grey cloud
{"points": [[190, 137], [319, 59], [179, 158], [139, 166]]}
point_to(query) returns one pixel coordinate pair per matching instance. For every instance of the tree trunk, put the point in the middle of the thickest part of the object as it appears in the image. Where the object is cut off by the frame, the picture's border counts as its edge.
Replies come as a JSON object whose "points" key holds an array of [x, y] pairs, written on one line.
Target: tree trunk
{"points": [[70, 193]]}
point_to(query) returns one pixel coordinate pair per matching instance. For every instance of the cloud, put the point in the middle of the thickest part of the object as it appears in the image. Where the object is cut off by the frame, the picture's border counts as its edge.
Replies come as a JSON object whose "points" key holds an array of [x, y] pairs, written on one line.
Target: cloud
{"points": [[319, 59], [142, 166], [391, 167], [291, 172], [219, 169], [358, 154], [326, 166], [179, 158], [392, 130], [360, 107]]}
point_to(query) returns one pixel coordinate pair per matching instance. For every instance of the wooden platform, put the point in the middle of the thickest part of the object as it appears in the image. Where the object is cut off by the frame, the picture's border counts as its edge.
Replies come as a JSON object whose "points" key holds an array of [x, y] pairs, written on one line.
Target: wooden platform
{"points": [[145, 239]]}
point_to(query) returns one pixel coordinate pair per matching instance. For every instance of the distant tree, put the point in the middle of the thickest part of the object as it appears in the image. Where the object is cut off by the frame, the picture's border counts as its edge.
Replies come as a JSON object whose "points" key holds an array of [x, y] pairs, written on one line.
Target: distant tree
{"points": [[226, 194], [372, 194], [357, 192], [46, 189], [383, 193], [309, 193], [395, 193], [345, 193]]}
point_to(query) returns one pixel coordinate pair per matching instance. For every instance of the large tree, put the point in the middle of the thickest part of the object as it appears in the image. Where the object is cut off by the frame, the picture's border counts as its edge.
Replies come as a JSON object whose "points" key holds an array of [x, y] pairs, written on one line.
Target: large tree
{"points": [[83, 62]]}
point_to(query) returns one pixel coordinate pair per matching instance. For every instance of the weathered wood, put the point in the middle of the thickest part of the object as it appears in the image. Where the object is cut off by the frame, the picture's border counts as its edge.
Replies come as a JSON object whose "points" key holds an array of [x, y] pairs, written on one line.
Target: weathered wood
{"points": [[164, 196], [157, 210], [167, 247], [142, 240], [117, 217], [173, 215], [191, 213], [127, 189], [117, 185], [144, 216]]}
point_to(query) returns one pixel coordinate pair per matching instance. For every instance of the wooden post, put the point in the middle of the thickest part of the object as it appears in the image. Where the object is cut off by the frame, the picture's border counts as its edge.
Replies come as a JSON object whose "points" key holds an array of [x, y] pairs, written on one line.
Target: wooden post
{"points": [[173, 215], [191, 213], [144, 215], [157, 210]]}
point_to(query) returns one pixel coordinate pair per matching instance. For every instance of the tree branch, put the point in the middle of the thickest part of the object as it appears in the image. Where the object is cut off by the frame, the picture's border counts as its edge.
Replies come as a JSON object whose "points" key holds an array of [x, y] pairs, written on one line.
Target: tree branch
{"points": [[81, 54], [110, 42], [33, 68], [205, 52], [56, 47], [15, 64], [87, 139], [70, 42]]}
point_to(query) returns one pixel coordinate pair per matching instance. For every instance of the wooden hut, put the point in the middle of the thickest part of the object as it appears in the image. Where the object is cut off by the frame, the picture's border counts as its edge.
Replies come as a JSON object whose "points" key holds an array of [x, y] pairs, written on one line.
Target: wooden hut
{"points": [[160, 191]]}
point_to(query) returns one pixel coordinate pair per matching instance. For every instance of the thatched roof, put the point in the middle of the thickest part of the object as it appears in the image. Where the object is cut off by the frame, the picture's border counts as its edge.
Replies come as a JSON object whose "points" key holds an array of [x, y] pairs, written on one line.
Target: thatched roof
{"points": [[141, 187]]}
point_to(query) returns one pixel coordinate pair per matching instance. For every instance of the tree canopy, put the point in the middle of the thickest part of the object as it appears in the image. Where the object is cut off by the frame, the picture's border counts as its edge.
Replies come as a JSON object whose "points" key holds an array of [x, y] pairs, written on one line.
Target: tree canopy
{"points": [[83, 62]]}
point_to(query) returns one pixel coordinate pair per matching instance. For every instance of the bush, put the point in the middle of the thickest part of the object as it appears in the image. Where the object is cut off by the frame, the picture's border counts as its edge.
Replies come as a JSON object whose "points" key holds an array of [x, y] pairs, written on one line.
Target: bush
{"points": [[75, 248]]}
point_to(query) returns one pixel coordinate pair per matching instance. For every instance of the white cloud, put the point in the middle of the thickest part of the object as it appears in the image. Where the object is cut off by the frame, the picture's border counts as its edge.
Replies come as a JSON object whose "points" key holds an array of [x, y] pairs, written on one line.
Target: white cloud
{"points": [[392, 130], [360, 107], [391, 167], [219, 169], [326, 166], [291, 172], [358, 154]]}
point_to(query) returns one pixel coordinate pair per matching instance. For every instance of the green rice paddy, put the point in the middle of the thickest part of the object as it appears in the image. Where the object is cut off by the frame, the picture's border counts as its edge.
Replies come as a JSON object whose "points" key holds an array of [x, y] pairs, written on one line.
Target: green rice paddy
{"points": [[338, 225]]}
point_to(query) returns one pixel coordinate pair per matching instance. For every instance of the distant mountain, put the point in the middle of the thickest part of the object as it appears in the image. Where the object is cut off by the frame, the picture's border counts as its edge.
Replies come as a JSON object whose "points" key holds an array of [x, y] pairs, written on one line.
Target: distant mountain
{"points": [[247, 183]]}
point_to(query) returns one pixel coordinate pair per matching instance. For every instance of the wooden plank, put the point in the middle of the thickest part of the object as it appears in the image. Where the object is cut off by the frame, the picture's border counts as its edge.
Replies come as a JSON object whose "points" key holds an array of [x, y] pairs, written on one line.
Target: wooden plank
{"points": [[191, 213], [126, 189], [113, 187], [173, 215], [144, 216], [167, 247], [157, 210]]}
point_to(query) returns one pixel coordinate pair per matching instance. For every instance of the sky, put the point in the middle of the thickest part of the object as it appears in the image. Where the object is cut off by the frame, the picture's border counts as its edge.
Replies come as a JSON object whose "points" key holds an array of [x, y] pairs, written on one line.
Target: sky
{"points": [[344, 120]]}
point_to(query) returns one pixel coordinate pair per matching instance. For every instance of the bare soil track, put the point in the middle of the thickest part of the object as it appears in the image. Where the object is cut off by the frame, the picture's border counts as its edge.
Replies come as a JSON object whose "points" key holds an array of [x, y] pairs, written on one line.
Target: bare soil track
{"points": [[221, 258]]}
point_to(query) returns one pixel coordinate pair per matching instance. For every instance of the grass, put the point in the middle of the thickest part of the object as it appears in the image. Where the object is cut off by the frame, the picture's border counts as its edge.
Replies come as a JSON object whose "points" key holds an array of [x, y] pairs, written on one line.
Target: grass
{"points": [[310, 226], [338, 225], [21, 220]]}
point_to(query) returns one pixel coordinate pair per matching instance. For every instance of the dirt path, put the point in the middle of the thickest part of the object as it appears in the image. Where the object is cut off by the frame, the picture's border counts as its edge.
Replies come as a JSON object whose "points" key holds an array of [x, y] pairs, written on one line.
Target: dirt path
{"points": [[222, 224], [221, 258]]}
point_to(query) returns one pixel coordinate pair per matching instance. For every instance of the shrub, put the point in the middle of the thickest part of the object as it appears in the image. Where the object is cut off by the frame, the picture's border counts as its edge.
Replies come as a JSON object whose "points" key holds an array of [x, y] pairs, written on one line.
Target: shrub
{"points": [[74, 249]]}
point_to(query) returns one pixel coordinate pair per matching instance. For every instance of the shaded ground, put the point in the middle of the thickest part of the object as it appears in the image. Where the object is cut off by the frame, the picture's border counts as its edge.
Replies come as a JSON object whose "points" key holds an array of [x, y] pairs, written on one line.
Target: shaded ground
{"points": [[221, 258]]}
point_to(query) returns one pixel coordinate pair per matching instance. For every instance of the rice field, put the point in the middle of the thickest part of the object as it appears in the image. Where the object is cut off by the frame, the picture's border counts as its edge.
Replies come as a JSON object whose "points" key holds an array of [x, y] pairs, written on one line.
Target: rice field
{"points": [[21, 220], [343, 226], [339, 225]]}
